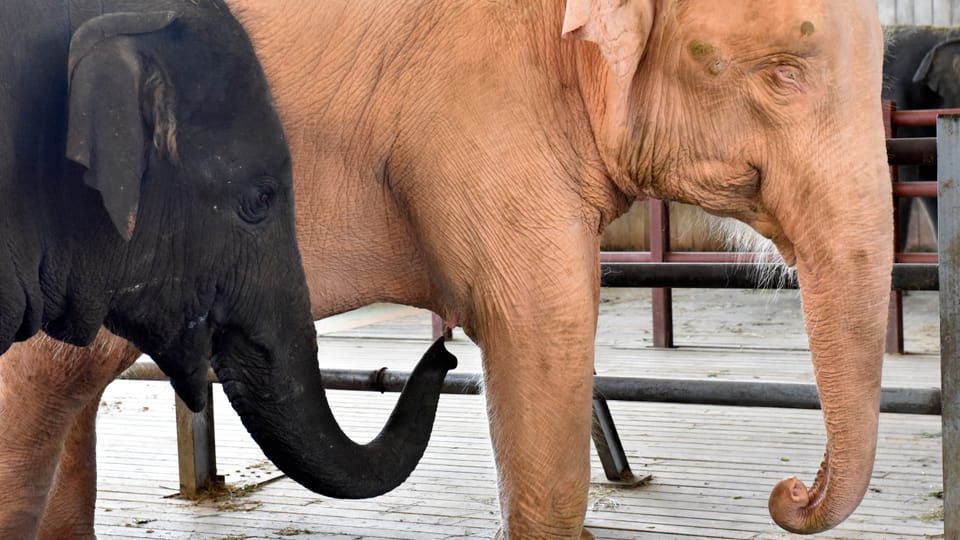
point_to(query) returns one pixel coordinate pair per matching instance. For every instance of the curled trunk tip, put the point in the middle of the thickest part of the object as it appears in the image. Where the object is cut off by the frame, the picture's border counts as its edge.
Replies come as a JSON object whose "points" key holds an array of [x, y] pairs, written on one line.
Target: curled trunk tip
{"points": [[800, 510], [296, 429], [790, 507]]}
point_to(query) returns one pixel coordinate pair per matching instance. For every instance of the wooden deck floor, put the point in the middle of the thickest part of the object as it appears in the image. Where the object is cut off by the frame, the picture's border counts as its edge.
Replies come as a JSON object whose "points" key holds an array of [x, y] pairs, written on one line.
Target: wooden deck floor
{"points": [[711, 467]]}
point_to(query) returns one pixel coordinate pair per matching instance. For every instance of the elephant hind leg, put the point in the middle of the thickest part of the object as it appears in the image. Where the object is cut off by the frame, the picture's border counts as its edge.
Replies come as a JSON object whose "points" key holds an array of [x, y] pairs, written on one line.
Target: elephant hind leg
{"points": [[72, 502], [44, 386], [73, 497]]}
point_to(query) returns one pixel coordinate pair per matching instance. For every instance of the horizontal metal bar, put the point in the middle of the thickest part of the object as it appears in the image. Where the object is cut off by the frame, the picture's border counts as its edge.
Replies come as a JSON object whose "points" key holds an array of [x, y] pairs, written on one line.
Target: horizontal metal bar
{"points": [[915, 189], [912, 151], [917, 277], [917, 258], [920, 117], [739, 257], [696, 391]]}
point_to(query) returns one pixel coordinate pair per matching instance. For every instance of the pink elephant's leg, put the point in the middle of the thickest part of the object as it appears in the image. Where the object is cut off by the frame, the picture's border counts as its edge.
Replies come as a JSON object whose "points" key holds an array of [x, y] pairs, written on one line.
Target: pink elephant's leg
{"points": [[44, 384], [73, 497], [539, 407], [538, 347]]}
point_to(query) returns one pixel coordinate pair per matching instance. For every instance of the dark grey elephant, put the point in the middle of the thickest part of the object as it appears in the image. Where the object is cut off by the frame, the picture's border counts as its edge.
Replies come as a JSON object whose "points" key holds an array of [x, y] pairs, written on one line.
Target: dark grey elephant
{"points": [[146, 185], [921, 70]]}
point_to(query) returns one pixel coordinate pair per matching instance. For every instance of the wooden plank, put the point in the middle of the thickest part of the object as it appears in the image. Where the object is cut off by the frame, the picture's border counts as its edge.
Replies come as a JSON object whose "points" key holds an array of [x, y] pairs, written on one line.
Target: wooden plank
{"points": [[712, 468], [942, 12], [923, 11], [888, 11], [904, 11]]}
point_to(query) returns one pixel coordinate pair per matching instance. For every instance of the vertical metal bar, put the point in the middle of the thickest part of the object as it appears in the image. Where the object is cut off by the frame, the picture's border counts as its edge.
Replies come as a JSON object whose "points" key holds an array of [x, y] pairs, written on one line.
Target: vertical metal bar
{"points": [[948, 245], [894, 343], [196, 448], [662, 299], [440, 328]]}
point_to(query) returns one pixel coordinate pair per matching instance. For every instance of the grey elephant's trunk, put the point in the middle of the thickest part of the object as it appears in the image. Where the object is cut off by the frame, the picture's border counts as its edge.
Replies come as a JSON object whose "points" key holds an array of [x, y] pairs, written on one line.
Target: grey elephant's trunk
{"points": [[282, 403]]}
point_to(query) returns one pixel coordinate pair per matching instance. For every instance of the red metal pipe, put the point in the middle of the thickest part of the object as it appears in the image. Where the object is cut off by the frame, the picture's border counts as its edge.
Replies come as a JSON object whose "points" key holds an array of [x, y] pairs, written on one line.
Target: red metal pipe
{"points": [[920, 117], [917, 258], [915, 189]]}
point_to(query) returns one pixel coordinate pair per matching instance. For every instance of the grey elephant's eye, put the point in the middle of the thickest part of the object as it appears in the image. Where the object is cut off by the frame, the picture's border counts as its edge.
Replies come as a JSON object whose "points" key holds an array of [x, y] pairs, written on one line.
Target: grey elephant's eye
{"points": [[256, 200]]}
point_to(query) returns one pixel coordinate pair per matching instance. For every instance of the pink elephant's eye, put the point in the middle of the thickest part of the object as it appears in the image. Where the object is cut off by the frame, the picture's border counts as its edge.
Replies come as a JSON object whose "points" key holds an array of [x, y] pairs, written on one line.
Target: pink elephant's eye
{"points": [[789, 77]]}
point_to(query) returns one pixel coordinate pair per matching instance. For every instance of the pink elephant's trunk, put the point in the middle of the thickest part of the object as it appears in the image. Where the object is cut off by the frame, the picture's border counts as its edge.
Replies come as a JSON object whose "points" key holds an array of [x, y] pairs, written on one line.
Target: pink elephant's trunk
{"points": [[846, 331], [844, 251]]}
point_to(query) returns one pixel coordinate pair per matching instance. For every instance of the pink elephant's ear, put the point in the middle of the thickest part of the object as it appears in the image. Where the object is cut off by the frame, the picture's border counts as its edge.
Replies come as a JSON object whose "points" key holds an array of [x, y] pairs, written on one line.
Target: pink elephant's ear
{"points": [[619, 27]]}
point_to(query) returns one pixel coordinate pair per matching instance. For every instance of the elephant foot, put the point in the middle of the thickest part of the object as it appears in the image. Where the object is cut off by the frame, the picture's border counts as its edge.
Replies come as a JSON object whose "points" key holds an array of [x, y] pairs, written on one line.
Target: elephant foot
{"points": [[584, 535]]}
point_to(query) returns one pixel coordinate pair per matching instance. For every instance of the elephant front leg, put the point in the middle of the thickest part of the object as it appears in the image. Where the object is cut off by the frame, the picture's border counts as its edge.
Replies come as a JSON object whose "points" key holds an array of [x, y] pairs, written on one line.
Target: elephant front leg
{"points": [[538, 373]]}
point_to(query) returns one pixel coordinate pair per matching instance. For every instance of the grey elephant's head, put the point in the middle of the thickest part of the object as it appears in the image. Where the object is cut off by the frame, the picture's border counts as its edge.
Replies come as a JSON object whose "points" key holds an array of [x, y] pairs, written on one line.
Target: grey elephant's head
{"points": [[172, 223], [940, 72], [171, 118]]}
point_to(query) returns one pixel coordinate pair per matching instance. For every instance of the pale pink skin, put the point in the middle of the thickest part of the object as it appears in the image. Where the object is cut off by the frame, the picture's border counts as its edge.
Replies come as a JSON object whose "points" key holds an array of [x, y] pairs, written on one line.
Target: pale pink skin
{"points": [[466, 159]]}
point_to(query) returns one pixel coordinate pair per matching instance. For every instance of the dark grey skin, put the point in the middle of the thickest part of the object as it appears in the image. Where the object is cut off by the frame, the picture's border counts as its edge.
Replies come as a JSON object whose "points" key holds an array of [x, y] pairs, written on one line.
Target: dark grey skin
{"points": [[921, 70], [145, 185]]}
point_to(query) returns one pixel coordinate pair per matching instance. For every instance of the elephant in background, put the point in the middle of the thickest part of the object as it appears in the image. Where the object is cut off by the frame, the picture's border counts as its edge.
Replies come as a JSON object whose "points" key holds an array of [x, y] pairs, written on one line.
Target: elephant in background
{"points": [[469, 159], [146, 186], [921, 70]]}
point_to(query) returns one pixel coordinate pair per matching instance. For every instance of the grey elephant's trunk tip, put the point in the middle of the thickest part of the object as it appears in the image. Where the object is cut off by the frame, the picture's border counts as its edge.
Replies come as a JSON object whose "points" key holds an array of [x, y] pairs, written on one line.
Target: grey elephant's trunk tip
{"points": [[323, 458], [437, 356]]}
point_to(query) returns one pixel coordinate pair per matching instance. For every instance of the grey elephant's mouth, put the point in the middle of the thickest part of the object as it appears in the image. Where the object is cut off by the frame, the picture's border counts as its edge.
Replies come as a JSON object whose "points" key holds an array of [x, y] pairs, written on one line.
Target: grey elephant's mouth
{"points": [[233, 349], [189, 365], [191, 388]]}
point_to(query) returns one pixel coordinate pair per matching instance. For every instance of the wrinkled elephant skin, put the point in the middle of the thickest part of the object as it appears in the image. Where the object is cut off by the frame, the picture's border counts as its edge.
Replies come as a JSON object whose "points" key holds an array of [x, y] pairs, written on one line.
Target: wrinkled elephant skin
{"points": [[146, 187], [489, 143]]}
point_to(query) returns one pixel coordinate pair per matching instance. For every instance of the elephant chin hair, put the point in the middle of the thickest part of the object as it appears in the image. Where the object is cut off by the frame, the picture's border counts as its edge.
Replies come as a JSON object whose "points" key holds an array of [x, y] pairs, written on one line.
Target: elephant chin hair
{"points": [[742, 239]]}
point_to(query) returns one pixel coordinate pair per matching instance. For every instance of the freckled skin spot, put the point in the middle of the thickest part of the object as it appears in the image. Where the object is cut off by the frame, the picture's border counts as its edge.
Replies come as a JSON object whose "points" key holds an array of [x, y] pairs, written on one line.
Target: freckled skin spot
{"points": [[699, 50], [717, 67], [806, 28]]}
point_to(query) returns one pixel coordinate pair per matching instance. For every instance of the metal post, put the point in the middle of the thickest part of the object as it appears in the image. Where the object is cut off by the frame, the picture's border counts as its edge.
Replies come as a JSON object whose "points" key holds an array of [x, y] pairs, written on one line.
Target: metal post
{"points": [[948, 245], [440, 328], [662, 299], [196, 450]]}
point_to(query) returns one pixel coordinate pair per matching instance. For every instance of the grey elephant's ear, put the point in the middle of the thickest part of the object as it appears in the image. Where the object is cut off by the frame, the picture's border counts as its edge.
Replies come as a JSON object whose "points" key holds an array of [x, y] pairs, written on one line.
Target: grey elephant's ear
{"points": [[108, 88], [940, 63]]}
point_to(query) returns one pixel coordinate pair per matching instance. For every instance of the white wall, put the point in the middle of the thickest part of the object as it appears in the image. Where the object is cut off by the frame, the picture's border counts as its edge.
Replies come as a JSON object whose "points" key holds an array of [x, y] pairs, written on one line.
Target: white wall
{"points": [[935, 12]]}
